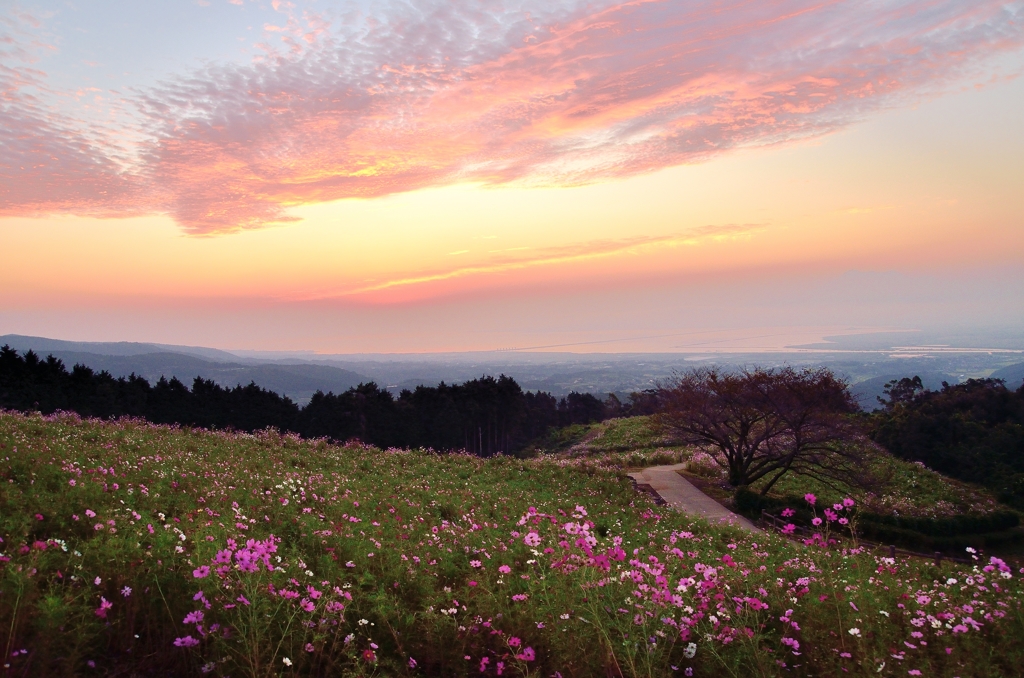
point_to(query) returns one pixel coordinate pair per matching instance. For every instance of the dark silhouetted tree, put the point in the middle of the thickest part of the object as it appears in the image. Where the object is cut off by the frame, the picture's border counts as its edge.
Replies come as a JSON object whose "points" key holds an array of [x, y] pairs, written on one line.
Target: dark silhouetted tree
{"points": [[764, 423]]}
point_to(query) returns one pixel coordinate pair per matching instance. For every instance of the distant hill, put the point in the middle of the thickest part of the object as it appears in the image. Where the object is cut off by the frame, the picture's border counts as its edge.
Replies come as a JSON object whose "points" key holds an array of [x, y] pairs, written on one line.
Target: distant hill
{"points": [[866, 392], [44, 346], [299, 382], [1013, 375]]}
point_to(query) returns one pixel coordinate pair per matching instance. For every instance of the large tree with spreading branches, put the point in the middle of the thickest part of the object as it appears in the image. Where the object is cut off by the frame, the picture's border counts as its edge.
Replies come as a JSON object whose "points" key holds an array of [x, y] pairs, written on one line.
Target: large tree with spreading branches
{"points": [[763, 423]]}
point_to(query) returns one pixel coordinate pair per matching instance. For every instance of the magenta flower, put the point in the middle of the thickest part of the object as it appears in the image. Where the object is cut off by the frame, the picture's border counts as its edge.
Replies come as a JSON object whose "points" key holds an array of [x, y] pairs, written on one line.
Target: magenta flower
{"points": [[527, 655], [187, 641], [810, 498], [193, 617], [848, 503], [105, 605], [787, 512], [789, 529], [816, 521], [514, 642], [201, 572]]}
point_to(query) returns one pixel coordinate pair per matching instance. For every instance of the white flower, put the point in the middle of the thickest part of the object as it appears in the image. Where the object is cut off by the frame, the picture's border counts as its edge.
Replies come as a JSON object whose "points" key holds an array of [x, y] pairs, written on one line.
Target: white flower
{"points": [[287, 662], [364, 622], [855, 632], [690, 650], [883, 612]]}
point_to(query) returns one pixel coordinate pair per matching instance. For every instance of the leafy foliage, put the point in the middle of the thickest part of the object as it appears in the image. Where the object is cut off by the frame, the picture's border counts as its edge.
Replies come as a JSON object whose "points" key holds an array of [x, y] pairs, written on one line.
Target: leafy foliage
{"points": [[973, 431]]}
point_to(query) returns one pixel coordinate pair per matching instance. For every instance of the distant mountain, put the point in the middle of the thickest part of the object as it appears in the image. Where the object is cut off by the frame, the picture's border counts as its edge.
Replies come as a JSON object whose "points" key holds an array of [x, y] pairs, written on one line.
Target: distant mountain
{"points": [[1013, 375], [299, 381], [44, 346]]}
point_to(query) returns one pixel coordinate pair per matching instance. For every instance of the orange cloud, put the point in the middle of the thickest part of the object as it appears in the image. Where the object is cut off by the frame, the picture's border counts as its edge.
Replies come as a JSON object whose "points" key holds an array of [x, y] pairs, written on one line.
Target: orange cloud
{"points": [[415, 100]]}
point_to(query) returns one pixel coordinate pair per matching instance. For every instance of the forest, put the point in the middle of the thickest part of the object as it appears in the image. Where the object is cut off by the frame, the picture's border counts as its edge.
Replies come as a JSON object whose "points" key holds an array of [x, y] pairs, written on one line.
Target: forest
{"points": [[483, 416]]}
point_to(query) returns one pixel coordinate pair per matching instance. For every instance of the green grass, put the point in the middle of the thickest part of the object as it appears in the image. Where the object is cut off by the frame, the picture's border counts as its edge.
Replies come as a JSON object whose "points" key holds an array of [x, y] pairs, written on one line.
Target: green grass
{"points": [[304, 558], [898, 487]]}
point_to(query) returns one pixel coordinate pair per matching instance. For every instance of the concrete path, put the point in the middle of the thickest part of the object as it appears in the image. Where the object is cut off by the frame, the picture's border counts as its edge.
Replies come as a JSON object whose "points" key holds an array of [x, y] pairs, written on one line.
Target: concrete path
{"points": [[681, 495]]}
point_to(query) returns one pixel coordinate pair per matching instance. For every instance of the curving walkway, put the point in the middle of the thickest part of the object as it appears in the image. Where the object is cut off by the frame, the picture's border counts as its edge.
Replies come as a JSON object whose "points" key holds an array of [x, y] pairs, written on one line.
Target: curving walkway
{"points": [[680, 494]]}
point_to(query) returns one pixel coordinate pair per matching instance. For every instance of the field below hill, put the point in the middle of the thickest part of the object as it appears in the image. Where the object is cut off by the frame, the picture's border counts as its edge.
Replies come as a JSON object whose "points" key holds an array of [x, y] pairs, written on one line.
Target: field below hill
{"points": [[134, 549]]}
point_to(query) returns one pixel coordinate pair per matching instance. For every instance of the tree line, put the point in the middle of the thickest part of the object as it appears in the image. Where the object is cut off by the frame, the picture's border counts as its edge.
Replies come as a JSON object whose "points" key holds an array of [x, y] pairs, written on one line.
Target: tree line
{"points": [[972, 431], [484, 416]]}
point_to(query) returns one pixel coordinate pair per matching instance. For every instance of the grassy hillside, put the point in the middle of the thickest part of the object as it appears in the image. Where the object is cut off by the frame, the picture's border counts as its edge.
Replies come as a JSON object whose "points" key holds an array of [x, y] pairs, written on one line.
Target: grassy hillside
{"points": [[895, 486], [143, 550]]}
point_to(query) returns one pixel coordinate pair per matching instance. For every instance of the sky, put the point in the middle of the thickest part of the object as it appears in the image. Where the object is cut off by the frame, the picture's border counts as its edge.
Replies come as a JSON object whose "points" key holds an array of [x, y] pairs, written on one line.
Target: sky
{"points": [[427, 176]]}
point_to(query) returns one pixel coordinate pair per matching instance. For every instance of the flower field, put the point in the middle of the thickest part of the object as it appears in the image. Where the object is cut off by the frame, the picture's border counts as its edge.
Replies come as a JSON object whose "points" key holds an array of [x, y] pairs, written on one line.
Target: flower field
{"points": [[136, 549]]}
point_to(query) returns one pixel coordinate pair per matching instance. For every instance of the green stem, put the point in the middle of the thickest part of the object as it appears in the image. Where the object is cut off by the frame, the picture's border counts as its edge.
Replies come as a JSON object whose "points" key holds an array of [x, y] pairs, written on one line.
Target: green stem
{"points": [[14, 618]]}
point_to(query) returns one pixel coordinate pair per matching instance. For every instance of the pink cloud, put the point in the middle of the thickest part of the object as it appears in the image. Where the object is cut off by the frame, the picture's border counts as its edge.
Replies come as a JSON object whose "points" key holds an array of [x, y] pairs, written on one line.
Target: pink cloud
{"points": [[440, 94]]}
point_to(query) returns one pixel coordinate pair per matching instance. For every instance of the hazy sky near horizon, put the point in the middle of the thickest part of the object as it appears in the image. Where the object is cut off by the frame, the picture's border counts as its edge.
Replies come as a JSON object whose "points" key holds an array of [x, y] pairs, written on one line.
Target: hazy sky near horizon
{"points": [[431, 176]]}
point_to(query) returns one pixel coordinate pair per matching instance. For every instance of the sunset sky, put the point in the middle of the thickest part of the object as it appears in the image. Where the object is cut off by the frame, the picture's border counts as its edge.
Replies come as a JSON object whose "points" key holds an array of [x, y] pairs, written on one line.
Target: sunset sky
{"points": [[440, 176]]}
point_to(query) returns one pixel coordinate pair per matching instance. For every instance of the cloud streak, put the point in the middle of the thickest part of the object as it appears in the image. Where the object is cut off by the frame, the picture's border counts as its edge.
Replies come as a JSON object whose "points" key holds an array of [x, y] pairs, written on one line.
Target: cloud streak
{"points": [[549, 256], [358, 105]]}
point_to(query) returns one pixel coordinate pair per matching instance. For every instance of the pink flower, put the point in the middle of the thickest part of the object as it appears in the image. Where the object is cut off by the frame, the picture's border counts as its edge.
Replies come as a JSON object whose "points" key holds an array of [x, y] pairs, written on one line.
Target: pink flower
{"points": [[527, 655], [309, 647], [848, 503], [789, 529], [514, 642], [532, 539], [504, 569], [307, 605], [105, 605], [816, 521], [787, 512], [475, 563], [201, 572], [187, 641], [810, 498], [90, 513], [520, 597], [472, 583], [126, 591], [193, 617]]}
